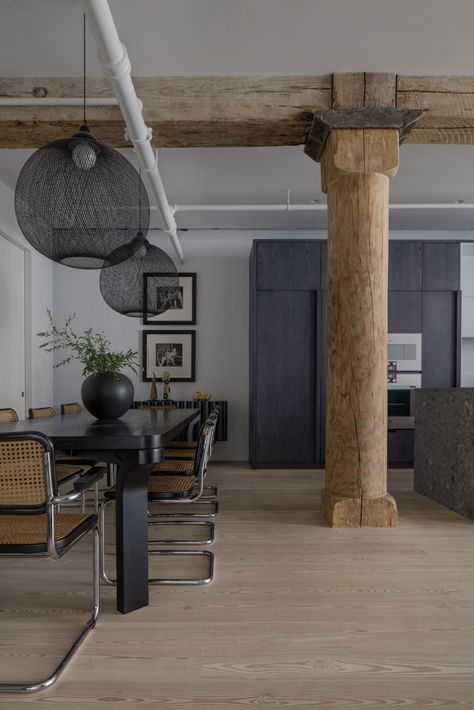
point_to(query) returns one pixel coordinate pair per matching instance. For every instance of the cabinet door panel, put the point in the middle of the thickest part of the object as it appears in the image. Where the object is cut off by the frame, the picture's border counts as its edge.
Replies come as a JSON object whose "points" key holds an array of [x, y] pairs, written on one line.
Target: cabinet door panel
{"points": [[405, 266], [285, 377], [324, 266], [323, 358], [400, 446], [404, 311], [283, 266], [441, 266], [439, 347]]}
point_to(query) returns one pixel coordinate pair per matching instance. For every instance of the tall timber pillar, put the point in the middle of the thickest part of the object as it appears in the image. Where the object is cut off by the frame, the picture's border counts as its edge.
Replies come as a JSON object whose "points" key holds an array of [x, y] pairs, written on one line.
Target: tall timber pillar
{"points": [[358, 152]]}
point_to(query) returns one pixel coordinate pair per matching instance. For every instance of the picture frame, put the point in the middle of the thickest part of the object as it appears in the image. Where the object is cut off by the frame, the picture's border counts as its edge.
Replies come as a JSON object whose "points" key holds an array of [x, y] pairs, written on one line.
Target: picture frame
{"points": [[173, 351], [183, 298]]}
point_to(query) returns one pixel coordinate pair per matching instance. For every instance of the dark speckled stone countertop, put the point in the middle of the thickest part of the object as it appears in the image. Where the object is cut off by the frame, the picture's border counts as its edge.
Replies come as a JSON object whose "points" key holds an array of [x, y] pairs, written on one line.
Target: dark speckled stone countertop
{"points": [[444, 447]]}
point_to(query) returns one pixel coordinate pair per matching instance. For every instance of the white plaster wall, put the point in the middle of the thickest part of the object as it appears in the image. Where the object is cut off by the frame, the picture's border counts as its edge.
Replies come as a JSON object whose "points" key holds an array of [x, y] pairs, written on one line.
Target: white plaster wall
{"points": [[221, 336], [39, 383]]}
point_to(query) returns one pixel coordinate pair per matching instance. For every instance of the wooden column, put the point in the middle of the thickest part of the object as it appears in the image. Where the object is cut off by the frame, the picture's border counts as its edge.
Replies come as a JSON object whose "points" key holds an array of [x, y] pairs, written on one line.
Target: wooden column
{"points": [[356, 142], [357, 165]]}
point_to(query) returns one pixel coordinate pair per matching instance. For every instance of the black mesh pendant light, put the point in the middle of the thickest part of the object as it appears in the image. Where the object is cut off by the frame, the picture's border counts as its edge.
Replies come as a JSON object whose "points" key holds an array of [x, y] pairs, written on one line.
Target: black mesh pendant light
{"points": [[121, 284], [77, 200]]}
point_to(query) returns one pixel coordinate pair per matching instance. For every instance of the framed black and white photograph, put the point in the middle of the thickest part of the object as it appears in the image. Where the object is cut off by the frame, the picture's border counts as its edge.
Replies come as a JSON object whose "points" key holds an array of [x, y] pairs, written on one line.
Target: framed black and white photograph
{"points": [[168, 302], [172, 351]]}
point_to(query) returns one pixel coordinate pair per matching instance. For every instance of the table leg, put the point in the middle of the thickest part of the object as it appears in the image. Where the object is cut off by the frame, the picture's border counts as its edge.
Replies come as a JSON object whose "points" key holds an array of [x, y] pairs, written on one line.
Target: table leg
{"points": [[132, 534]]}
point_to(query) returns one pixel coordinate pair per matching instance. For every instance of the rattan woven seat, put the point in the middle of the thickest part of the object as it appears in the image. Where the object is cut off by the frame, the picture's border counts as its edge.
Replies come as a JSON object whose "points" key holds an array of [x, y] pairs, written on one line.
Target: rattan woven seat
{"points": [[71, 408], [8, 415], [168, 485], [39, 412], [27, 534], [64, 472], [31, 523], [174, 467], [187, 454]]}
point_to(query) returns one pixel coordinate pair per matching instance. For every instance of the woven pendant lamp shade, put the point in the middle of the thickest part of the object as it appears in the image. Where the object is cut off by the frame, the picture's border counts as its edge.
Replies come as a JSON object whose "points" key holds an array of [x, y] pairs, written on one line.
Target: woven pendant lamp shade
{"points": [[77, 200], [121, 284]]}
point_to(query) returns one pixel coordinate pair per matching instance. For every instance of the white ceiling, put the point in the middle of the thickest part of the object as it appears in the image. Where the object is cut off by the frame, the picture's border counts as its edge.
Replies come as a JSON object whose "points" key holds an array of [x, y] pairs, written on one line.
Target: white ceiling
{"points": [[190, 37]]}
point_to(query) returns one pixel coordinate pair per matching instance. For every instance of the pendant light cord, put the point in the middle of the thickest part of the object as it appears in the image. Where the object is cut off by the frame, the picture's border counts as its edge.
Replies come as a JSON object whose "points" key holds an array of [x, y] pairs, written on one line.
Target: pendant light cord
{"points": [[139, 199], [84, 66]]}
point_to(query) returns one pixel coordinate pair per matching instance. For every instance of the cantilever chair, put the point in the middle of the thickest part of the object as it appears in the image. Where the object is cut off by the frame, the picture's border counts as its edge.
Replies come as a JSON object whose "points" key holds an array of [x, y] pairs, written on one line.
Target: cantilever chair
{"points": [[31, 525], [7, 414], [64, 472], [71, 408], [75, 408], [170, 489], [181, 461]]}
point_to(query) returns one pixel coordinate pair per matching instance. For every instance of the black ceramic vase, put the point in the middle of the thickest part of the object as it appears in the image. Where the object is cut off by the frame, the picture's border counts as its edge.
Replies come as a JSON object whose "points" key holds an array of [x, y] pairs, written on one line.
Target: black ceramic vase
{"points": [[107, 396]]}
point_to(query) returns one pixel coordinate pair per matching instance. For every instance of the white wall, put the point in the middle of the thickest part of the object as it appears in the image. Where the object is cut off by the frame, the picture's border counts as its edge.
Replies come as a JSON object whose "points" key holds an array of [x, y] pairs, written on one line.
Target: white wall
{"points": [[221, 336], [39, 380]]}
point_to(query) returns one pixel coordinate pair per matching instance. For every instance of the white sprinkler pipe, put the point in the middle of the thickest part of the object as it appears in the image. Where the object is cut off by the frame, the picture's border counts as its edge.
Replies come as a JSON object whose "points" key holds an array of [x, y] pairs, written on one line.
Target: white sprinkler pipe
{"points": [[116, 65], [311, 207]]}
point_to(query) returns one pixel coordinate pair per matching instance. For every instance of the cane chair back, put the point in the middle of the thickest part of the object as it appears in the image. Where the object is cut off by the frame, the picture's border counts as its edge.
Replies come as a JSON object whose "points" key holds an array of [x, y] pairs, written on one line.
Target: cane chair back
{"points": [[8, 415], [31, 525], [24, 479], [40, 412], [71, 408], [204, 448]]}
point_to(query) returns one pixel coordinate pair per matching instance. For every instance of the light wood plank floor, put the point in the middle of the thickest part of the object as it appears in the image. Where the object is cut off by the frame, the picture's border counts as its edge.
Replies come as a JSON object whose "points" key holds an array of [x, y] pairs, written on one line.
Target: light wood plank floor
{"points": [[298, 616]]}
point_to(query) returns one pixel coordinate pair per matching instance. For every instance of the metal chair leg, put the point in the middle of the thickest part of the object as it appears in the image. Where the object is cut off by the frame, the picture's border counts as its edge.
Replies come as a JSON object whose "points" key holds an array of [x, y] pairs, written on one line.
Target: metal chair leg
{"points": [[156, 581], [214, 511], [96, 498], [207, 524], [103, 573], [88, 626], [209, 493], [185, 581]]}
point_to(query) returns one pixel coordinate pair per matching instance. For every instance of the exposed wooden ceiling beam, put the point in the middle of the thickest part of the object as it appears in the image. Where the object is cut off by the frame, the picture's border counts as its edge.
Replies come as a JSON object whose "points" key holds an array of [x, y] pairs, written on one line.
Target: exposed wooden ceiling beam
{"points": [[238, 111]]}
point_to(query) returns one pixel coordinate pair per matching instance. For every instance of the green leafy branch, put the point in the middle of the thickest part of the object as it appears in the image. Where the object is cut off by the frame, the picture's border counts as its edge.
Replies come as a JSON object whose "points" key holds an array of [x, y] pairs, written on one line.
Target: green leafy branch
{"points": [[91, 349]]}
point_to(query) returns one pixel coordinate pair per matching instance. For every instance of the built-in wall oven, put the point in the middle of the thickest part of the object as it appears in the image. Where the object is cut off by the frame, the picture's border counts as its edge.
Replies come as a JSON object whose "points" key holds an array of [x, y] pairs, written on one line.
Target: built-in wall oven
{"points": [[403, 377], [404, 351]]}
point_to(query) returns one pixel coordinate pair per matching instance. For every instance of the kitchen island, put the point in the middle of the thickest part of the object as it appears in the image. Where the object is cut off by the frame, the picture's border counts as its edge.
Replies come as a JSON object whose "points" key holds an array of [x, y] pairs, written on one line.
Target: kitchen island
{"points": [[444, 447]]}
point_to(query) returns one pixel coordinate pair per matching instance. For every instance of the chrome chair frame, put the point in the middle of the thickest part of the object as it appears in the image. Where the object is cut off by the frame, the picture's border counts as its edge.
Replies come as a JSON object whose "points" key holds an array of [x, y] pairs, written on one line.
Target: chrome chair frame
{"points": [[53, 500], [202, 457], [203, 454]]}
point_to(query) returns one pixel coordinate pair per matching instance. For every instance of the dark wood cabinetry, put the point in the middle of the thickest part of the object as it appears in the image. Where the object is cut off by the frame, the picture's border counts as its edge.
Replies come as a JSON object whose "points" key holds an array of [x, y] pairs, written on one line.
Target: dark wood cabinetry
{"points": [[288, 307], [440, 339], [281, 266], [441, 266], [400, 446], [285, 379], [405, 312], [405, 266]]}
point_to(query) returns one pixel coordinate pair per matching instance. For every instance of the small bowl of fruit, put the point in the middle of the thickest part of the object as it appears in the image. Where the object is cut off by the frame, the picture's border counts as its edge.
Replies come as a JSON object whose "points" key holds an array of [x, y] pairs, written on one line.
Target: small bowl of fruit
{"points": [[202, 396]]}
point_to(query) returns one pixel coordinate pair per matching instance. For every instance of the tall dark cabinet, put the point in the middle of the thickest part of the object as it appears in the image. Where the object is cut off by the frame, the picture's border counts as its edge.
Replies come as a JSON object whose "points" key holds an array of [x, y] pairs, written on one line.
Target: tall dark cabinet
{"points": [[288, 316], [286, 361]]}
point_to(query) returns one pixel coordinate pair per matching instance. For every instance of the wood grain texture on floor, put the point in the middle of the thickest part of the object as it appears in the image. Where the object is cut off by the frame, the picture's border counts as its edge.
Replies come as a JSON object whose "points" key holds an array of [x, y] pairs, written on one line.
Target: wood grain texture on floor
{"points": [[299, 615]]}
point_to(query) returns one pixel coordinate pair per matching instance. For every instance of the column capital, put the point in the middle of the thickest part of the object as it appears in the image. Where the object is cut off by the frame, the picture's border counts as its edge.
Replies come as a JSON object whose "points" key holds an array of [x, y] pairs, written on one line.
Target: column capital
{"points": [[324, 122], [359, 151]]}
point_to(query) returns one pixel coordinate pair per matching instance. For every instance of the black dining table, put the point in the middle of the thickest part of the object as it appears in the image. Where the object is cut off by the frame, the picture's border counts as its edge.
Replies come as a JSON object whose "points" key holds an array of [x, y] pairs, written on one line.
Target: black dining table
{"points": [[135, 443]]}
